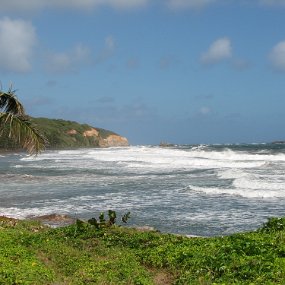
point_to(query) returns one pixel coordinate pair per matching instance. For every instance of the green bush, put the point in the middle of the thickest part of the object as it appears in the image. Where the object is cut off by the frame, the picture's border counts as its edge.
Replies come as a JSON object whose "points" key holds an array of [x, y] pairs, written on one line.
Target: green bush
{"points": [[273, 225], [105, 253], [56, 132]]}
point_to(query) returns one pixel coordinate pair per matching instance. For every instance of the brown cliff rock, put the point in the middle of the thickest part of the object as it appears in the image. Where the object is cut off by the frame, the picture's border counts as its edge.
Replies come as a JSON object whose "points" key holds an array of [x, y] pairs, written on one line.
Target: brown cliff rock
{"points": [[112, 141], [91, 133], [71, 132], [63, 134]]}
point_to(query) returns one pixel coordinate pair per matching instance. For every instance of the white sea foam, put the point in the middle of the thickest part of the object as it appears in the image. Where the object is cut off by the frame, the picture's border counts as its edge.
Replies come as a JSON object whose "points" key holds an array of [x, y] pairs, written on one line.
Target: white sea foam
{"points": [[18, 166], [152, 181], [19, 213], [230, 173], [253, 183], [242, 192], [160, 156]]}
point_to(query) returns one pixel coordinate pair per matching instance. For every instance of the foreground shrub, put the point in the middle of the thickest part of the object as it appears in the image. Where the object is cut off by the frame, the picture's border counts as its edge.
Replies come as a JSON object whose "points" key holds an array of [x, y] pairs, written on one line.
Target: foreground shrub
{"points": [[104, 253]]}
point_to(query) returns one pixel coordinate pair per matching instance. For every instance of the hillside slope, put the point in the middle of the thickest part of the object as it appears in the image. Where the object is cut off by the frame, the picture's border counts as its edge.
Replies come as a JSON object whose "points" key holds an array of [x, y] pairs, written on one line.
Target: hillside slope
{"points": [[62, 134]]}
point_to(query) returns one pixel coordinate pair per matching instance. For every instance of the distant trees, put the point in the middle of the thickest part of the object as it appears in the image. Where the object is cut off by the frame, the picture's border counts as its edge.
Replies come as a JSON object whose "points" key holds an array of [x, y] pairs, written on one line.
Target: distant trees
{"points": [[16, 125]]}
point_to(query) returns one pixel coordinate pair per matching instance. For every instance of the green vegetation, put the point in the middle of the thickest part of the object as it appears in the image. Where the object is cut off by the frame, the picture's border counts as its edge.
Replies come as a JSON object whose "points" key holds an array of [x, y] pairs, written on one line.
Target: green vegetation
{"points": [[85, 253], [16, 127], [57, 132], [61, 134]]}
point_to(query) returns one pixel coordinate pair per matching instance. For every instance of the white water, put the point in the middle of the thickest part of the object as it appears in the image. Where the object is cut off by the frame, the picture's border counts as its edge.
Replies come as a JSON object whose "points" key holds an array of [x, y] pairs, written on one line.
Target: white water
{"points": [[190, 190]]}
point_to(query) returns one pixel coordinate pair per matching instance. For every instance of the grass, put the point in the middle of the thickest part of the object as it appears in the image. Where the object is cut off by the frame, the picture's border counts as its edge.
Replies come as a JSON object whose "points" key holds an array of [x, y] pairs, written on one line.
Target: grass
{"points": [[31, 253]]}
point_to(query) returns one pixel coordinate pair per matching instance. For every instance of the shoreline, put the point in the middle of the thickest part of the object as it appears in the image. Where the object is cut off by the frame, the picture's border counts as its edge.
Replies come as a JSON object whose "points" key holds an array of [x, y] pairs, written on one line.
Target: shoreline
{"points": [[61, 220], [11, 151]]}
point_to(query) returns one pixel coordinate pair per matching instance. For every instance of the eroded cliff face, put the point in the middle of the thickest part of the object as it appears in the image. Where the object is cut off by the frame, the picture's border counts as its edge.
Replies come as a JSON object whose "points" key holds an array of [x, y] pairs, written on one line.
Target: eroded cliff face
{"points": [[91, 133], [63, 134], [111, 140]]}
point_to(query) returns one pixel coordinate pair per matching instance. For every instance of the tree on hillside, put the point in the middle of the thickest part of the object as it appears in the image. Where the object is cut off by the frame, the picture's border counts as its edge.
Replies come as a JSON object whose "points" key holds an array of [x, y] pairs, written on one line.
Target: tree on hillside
{"points": [[16, 125]]}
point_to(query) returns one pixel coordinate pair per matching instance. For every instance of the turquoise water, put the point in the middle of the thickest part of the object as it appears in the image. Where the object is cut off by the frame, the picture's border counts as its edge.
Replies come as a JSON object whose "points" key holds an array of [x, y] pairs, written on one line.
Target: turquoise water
{"points": [[195, 189]]}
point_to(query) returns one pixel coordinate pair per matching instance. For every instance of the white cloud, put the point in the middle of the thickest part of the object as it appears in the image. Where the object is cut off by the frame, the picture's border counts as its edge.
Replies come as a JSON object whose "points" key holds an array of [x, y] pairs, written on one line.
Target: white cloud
{"points": [[277, 56], [17, 38], [80, 55], [19, 5], [194, 4], [219, 50], [34, 5], [273, 2], [69, 61]]}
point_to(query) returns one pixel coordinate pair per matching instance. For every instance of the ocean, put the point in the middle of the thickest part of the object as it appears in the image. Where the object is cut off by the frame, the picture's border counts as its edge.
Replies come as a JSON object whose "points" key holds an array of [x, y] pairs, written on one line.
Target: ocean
{"points": [[204, 190]]}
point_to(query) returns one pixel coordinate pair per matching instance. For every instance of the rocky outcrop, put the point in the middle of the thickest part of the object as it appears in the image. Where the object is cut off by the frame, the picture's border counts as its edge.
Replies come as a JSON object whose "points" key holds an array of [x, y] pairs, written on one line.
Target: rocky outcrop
{"points": [[62, 134], [91, 133], [113, 141], [71, 132], [278, 142], [55, 220]]}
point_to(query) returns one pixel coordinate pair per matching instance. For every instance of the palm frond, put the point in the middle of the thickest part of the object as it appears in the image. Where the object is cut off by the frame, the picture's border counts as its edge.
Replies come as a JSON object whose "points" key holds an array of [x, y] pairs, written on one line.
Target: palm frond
{"points": [[23, 131], [9, 103]]}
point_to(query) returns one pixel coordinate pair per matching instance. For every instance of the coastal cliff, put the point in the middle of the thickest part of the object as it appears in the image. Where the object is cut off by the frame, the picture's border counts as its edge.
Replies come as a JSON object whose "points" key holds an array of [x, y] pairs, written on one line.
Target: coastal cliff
{"points": [[63, 134], [109, 140]]}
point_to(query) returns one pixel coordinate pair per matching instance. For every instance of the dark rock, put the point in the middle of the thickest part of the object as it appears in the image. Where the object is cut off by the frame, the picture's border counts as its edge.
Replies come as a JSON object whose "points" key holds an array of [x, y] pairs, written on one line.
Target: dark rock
{"points": [[55, 220]]}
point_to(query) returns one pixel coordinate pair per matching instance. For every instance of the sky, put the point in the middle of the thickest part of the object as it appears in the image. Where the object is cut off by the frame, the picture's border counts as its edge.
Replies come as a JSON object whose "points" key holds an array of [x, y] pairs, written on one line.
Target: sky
{"points": [[177, 71]]}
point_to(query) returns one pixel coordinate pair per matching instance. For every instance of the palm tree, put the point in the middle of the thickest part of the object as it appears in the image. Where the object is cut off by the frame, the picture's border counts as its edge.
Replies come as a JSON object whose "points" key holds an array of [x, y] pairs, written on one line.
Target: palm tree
{"points": [[17, 125]]}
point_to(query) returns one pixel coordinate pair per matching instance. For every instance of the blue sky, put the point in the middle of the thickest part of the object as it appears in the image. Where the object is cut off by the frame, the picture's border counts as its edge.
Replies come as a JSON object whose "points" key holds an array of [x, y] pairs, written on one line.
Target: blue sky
{"points": [[181, 71]]}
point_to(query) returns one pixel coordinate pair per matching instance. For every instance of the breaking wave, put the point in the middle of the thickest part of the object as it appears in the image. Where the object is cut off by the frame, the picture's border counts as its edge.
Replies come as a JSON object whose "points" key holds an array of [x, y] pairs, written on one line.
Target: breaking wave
{"points": [[194, 189]]}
